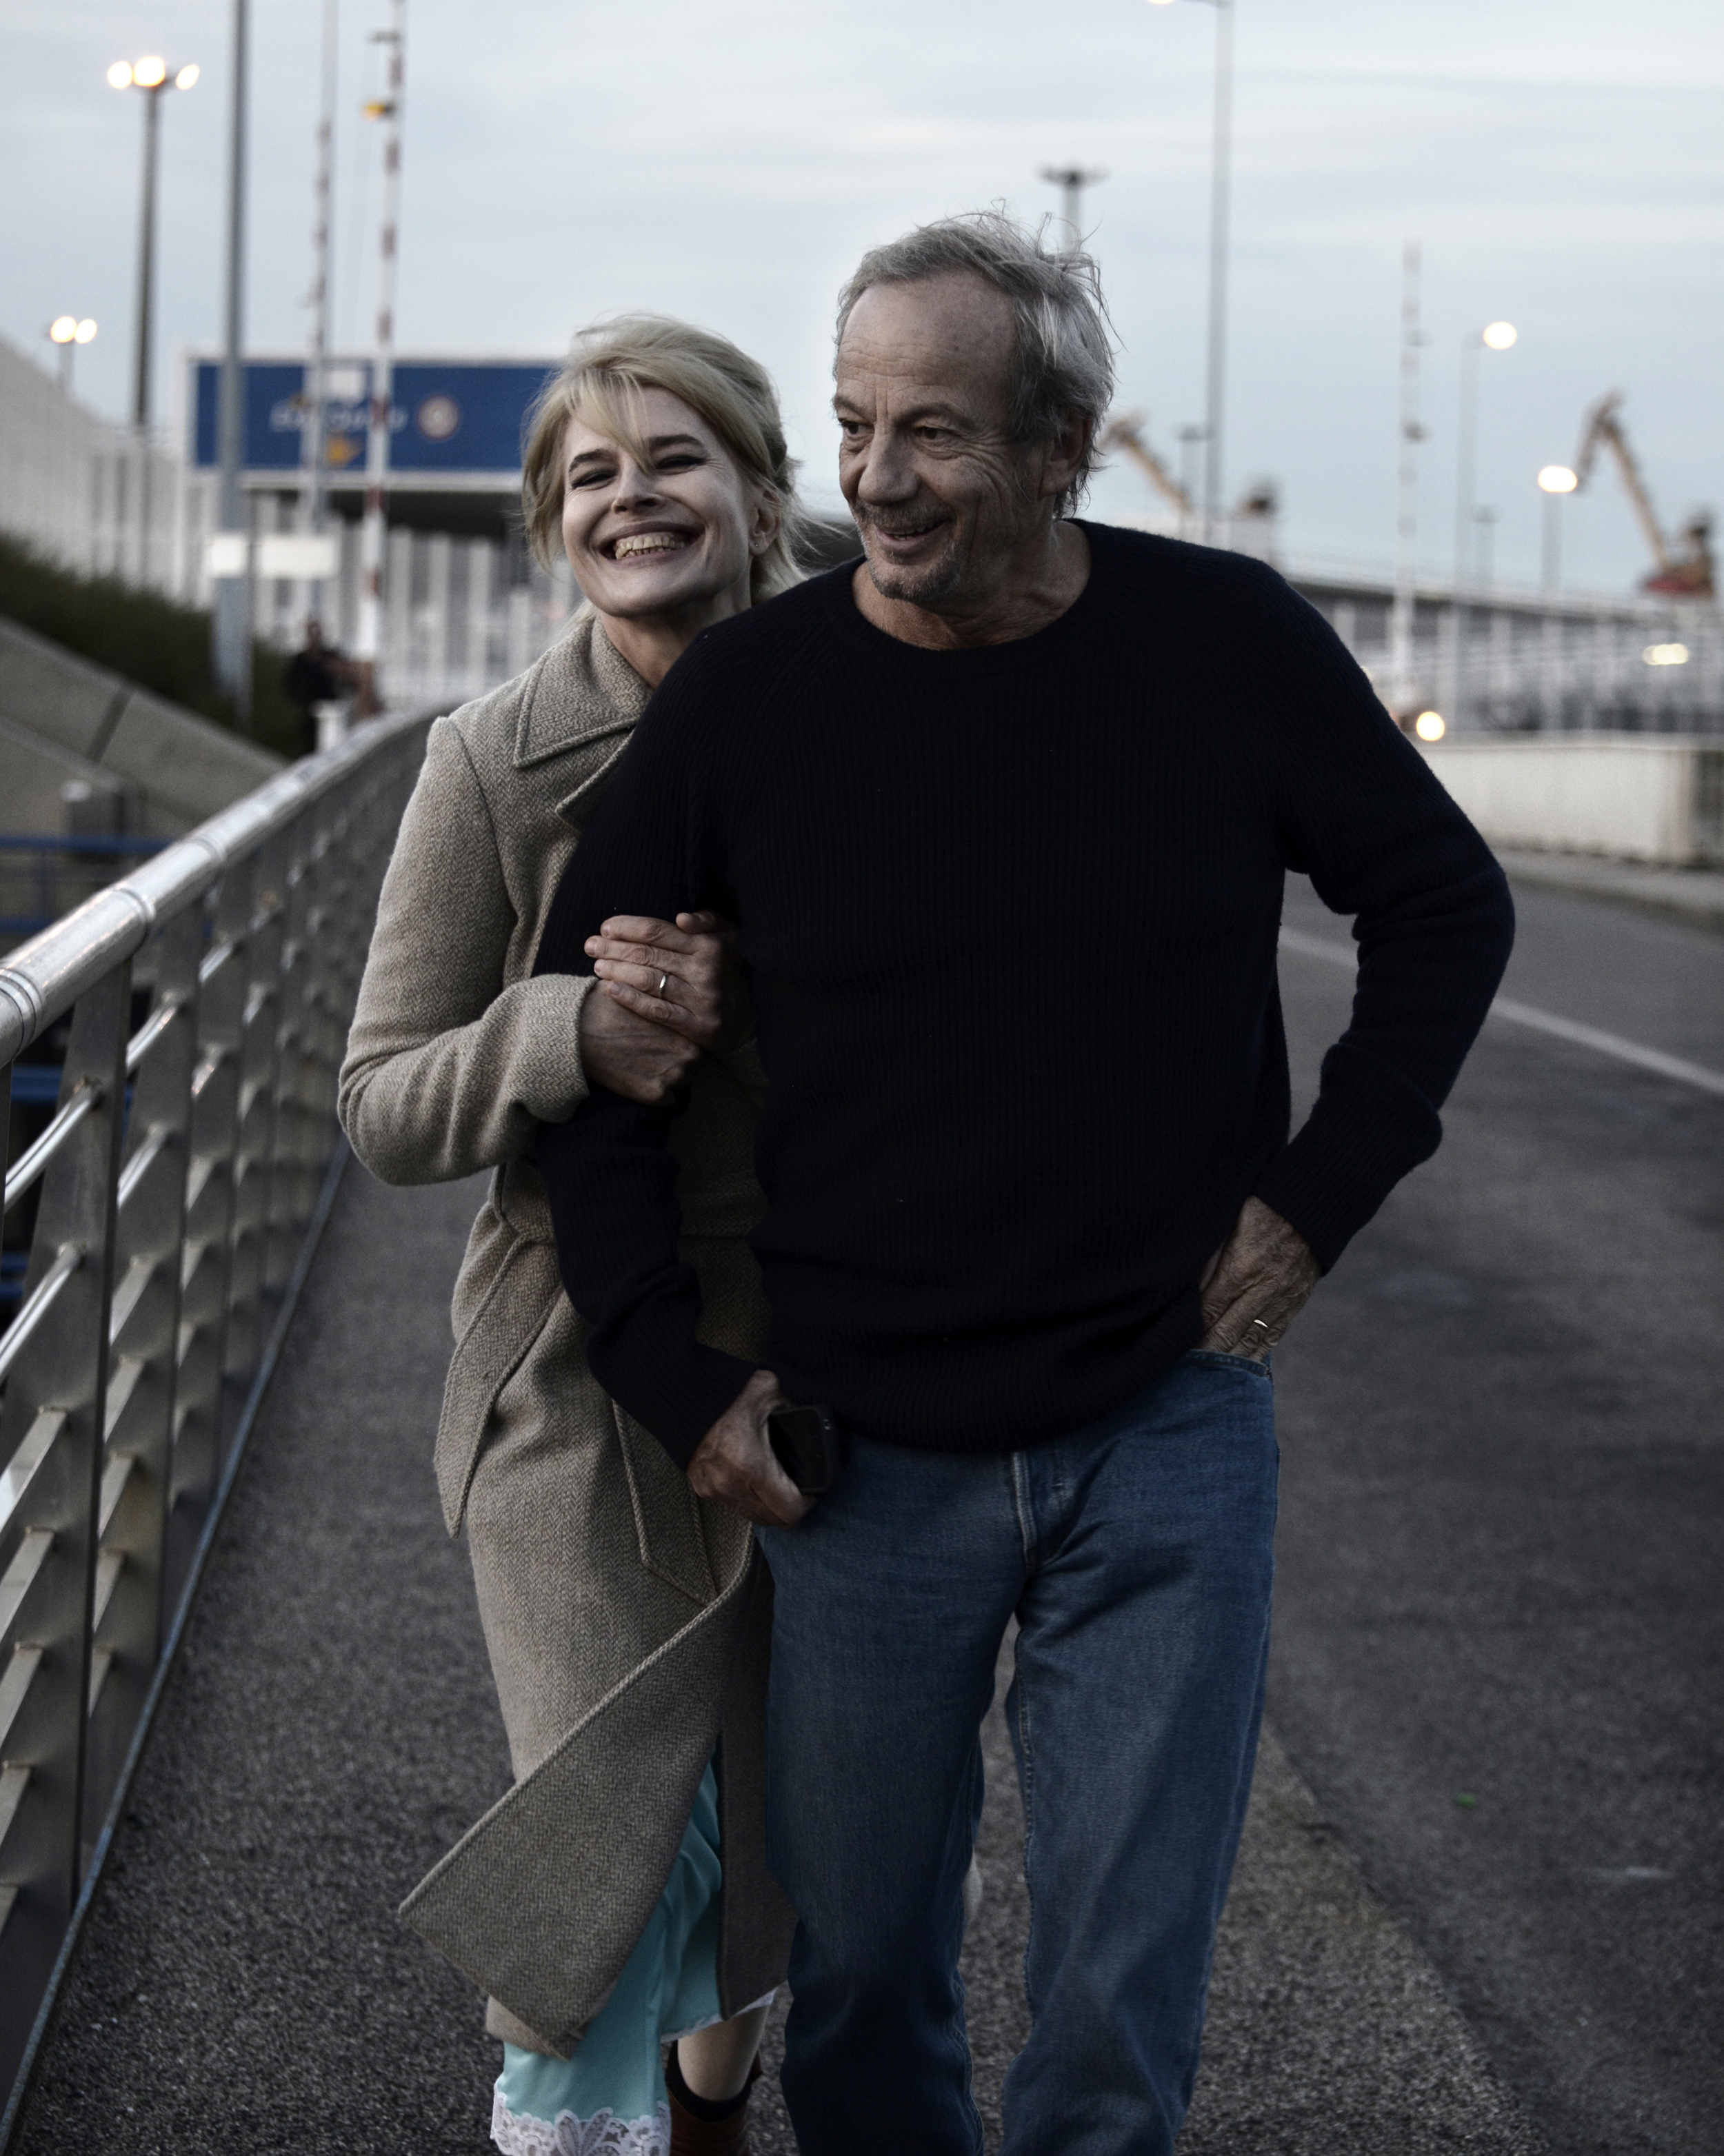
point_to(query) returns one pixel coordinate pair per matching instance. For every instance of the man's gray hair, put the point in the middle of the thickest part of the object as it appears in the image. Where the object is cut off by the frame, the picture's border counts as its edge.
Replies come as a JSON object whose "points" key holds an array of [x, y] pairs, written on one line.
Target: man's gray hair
{"points": [[1063, 353]]}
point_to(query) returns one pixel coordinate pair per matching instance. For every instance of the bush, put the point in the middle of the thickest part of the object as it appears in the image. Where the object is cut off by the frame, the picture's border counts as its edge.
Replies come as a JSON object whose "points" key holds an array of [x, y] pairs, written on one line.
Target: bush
{"points": [[161, 646]]}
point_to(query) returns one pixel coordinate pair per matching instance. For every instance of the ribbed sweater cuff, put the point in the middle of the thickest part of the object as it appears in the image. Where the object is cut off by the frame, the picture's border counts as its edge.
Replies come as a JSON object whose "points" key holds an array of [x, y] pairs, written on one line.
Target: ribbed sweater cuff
{"points": [[1370, 1128], [673, 1386]]}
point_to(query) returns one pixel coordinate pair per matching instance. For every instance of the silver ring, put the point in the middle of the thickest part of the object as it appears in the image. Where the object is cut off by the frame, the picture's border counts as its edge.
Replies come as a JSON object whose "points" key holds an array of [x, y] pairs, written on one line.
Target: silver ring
{"points": [[659, 989], [1260, 1324]]}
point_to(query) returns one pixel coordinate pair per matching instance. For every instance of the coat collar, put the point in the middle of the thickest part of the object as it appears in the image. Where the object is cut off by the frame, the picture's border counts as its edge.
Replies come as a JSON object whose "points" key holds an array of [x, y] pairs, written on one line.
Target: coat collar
{"points": [[581, 691]]}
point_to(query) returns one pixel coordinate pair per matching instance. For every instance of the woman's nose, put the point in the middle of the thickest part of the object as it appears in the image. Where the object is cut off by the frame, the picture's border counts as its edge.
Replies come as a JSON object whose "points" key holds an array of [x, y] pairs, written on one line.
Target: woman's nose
{"points": [[633, 486]]}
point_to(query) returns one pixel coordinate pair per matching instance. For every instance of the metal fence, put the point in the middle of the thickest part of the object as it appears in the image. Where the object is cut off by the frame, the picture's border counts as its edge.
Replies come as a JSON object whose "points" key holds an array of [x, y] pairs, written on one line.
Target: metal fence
{"points": [[198, 1010]]}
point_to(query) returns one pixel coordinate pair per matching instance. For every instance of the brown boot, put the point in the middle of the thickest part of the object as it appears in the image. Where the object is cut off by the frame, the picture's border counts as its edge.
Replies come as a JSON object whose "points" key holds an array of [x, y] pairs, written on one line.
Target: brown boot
{"points": [[713, 2129]]}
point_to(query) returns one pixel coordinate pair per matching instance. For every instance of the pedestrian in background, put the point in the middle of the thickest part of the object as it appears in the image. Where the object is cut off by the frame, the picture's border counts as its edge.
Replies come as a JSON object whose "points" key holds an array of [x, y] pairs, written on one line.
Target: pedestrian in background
{"points": [[618, 1894], [1011, 764]]}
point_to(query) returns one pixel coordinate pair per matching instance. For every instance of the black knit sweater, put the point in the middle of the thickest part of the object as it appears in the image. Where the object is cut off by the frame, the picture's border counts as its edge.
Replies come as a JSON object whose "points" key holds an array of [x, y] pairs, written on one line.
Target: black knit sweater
{"points": [[1009, 917]]}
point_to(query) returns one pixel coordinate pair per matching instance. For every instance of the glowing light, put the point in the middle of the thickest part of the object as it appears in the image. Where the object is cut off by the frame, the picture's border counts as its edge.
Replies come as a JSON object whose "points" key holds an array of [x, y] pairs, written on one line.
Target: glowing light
{"points": [[1499, 335], [64, 329], [1557, 479], [1665, 654], [86, 330], [1430, 726], [150, 72], [120, 75], [1160, 3], [186, 77]]}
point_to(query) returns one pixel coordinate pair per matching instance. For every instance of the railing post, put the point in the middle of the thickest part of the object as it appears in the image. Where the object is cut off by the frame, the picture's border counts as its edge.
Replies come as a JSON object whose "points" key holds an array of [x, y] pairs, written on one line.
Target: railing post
{"points": [[200, 1408], [51, 1433], [145, 1335]]}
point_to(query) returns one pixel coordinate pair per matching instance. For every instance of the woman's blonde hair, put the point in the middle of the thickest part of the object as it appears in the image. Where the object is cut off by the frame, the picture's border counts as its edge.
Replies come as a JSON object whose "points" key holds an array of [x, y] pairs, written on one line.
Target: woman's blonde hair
{"points": [[600, 383]]}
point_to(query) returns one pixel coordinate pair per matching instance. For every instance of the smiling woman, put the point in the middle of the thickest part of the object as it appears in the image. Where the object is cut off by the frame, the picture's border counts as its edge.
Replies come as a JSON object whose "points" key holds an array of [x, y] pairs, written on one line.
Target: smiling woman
{"points": [[599, 1904]]}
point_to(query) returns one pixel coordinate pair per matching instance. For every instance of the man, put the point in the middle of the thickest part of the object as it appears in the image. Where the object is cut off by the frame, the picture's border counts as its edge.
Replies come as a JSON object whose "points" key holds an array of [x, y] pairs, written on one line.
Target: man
{"points": [[1003, 814], [316, 676]]}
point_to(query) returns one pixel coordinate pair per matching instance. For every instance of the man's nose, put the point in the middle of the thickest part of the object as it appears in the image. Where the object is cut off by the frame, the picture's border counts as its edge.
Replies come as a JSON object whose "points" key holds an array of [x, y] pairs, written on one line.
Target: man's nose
{"points": [[888, 472]]}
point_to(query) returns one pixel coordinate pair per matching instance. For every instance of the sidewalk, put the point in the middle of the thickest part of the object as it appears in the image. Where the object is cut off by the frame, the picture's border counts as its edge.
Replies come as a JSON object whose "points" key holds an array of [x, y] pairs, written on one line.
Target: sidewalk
{"points": [[1695, 895], [244, 1984]]}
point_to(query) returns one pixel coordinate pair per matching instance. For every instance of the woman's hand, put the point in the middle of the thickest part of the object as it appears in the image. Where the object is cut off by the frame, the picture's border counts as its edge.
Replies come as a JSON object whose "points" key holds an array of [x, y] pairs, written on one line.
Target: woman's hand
{"points": [[683, 978]]}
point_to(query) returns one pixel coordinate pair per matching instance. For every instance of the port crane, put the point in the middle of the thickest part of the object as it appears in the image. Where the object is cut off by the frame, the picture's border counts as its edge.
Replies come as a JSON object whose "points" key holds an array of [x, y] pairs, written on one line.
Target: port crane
{"points": [[1684, 568], [1126, 434]]}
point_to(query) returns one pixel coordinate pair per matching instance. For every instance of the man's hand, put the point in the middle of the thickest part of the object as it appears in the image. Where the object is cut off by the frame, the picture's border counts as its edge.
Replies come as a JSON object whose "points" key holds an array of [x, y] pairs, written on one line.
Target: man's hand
{"points": [[1257, 1283], [682, 977], [642, 1062], [735, 1463]]}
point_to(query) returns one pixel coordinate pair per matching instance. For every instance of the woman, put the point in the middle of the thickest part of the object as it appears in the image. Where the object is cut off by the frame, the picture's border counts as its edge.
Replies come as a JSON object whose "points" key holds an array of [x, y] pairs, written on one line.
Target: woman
{"points": [[626, 1630]]}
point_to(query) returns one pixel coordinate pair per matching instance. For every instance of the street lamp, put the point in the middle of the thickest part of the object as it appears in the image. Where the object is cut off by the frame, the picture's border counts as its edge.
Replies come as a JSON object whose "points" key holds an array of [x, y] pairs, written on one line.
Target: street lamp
{"points": [[152, 75], [68, 332], [1495, 337], [1220, 176], [1554, 481], [1072, 180]]}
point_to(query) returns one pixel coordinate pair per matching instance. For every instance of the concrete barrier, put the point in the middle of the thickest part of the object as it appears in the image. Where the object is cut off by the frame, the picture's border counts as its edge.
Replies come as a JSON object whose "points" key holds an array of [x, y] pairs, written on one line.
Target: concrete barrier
{"points": [[1631, 796]]}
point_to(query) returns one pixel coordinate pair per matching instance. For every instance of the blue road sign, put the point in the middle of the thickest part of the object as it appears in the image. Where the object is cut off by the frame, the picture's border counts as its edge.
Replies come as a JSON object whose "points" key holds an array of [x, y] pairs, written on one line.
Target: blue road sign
{"points": [[447, 415]]}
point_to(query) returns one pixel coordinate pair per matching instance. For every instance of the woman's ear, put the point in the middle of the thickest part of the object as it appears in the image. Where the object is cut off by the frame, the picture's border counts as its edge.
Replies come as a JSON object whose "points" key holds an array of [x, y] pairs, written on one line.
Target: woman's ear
{"points": [[767, 518]]}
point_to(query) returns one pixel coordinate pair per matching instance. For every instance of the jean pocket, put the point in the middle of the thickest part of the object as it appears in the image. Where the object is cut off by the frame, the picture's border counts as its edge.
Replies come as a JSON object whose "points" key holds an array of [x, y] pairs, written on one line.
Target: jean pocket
{"points": [[1257, 1365]]}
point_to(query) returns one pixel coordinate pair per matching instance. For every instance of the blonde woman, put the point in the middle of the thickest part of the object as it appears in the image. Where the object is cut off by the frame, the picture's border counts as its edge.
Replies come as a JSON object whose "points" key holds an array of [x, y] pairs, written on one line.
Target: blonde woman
{"points": [[617, 1895]]}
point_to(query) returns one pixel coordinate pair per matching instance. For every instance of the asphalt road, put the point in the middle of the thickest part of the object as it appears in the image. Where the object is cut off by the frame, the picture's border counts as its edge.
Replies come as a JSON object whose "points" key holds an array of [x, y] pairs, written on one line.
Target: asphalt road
{"points": [[1499, 1584], [1500, 1634]]}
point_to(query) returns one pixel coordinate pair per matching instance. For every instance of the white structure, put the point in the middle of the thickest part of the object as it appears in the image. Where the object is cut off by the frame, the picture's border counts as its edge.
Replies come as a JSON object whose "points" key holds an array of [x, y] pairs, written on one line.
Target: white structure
{"points": [[460, 614], [1626, 795]]}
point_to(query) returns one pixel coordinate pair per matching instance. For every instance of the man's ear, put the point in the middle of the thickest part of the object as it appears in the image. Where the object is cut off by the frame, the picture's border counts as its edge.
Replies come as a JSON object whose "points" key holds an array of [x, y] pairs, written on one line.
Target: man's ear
{"points": [[1064, 454]]}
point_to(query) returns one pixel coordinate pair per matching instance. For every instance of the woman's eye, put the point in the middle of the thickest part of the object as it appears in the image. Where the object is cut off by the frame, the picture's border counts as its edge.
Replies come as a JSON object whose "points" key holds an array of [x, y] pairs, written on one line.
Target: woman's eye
{"points": [[590, 478]]}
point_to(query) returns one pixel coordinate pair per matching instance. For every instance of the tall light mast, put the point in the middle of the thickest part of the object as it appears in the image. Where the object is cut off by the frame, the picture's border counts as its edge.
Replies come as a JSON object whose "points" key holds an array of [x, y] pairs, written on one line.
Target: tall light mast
{"points": [[1403, 687], [373, 535], [317, 368]]}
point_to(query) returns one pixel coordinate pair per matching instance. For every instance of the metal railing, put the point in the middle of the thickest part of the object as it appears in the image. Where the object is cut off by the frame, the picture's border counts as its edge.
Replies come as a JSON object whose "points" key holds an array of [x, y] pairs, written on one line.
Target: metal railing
{"points": [[201, 1005]]}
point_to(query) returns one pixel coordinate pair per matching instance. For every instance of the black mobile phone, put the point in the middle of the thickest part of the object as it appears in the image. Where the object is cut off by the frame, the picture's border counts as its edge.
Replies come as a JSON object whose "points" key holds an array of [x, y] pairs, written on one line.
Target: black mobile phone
{"points": [[806, 1442]]}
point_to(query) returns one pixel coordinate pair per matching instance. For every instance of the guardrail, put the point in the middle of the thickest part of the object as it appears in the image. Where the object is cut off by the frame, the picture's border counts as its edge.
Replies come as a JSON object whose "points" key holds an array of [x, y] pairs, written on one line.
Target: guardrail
{"points": [[179, 1188]]}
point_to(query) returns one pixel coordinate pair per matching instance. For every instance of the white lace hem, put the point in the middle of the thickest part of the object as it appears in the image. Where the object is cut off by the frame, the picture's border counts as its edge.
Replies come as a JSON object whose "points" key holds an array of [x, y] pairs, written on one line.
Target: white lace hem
{"points": [[518, 2133]]}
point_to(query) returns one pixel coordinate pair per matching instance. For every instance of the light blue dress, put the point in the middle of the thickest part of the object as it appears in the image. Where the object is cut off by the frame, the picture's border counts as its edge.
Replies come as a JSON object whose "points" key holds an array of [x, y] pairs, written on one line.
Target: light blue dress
{"points": [[609, 2099]]}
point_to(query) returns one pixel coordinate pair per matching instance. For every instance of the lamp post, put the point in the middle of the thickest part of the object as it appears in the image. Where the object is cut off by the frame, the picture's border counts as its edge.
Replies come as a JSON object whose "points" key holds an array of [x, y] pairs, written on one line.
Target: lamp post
{"points": [[1072, 180], [152, 76], [230, 618], [1220, 183], [1495, 337], [68, 333], [373, 532], [1554, 482]]}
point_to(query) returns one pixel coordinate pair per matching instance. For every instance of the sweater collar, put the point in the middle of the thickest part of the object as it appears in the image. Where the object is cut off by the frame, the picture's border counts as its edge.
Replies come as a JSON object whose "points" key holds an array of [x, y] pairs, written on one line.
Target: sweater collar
{"points": [[581, 691]]}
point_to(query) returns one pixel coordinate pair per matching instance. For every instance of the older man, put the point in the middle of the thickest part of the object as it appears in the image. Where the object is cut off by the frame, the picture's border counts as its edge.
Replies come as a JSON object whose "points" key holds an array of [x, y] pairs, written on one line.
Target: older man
{"points": [[1003, 813]]}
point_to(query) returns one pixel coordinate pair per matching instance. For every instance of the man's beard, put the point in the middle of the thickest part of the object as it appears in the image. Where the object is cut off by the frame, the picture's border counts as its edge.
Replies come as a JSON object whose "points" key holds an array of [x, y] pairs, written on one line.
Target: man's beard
{"points": [[921, 584]]}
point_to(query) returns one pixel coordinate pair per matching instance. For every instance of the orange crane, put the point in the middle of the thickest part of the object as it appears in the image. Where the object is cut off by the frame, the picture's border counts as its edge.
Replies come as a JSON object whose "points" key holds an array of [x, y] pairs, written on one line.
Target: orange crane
{"points": [[1126, 434], [1684, 568]]}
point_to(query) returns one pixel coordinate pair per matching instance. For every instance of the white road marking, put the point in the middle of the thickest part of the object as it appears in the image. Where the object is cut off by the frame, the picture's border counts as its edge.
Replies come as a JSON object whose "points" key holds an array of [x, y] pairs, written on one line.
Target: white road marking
{"points": [[1540, 1021]]}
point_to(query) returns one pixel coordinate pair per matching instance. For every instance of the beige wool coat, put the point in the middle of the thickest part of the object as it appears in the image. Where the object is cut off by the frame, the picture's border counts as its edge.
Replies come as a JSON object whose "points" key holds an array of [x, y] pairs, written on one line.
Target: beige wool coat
{"points": [[628, 1621]]}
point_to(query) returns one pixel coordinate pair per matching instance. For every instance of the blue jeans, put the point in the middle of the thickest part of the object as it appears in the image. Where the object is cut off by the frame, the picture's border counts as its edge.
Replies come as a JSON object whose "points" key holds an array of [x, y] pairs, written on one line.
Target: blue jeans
{"points": [[1136, 1555]]}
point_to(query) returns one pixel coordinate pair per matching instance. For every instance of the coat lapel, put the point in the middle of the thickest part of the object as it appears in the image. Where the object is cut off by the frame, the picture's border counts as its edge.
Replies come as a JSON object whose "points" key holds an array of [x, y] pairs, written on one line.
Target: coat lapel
{"points": [[582, 703]]}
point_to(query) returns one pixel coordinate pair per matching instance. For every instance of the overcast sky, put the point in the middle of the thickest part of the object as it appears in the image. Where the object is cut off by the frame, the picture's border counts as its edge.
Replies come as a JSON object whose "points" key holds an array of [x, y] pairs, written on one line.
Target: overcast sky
{"points": [[726, 160]]}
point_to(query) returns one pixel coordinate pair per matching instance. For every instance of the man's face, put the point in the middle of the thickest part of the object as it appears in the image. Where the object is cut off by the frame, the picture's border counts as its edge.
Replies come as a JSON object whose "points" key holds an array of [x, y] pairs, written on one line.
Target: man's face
{"points": [[939, 492]]}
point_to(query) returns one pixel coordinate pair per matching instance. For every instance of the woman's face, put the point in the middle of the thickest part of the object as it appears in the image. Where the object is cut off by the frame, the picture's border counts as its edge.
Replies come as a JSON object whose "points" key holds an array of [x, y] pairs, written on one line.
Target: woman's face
{"points": [[679, 532]]}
